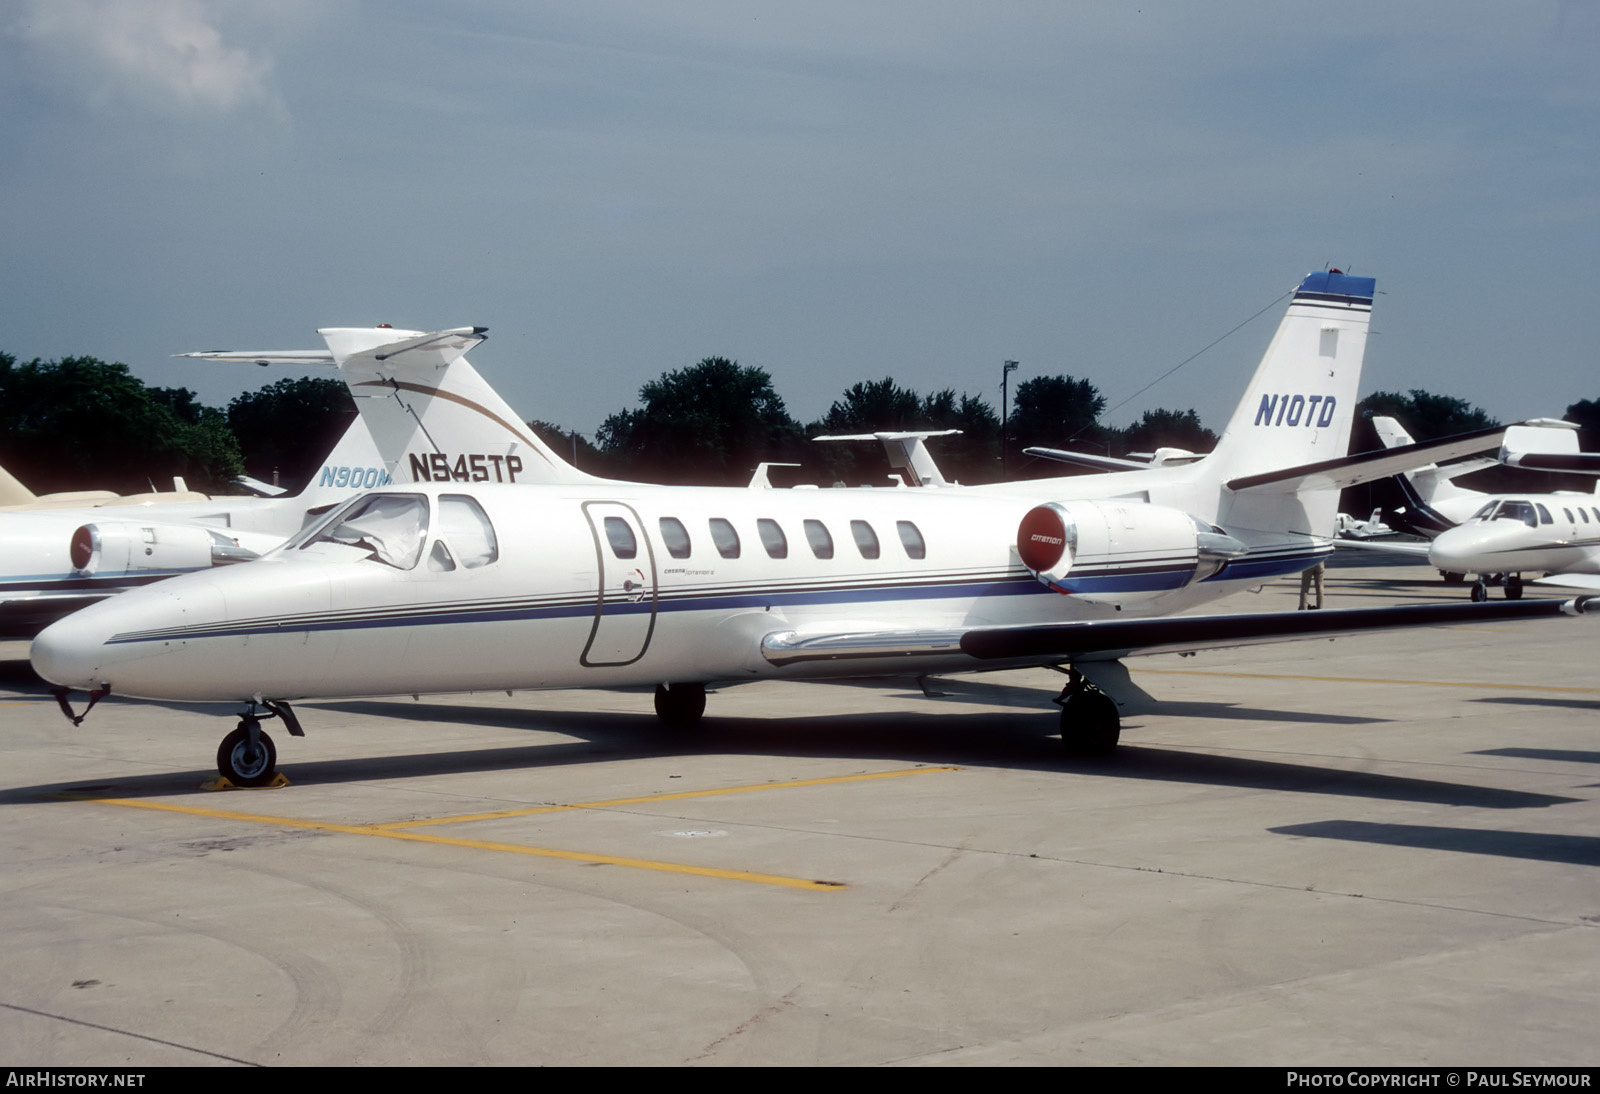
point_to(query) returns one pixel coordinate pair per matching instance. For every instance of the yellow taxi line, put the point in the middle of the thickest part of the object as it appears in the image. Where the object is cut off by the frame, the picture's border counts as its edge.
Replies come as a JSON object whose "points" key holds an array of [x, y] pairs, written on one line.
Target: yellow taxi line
{"points": [[648, 799], [481, 845], [397, 830]]}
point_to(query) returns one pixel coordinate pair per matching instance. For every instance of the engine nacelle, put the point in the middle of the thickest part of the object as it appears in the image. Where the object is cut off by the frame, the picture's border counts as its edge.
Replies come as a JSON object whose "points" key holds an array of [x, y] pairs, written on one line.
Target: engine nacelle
{"points": [[1118, 551], [119, 547]]}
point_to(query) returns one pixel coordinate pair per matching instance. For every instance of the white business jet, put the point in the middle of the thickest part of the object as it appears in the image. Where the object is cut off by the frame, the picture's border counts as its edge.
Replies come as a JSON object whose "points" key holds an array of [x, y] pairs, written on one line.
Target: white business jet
{"points": [[469, 583], [1502, 537]]}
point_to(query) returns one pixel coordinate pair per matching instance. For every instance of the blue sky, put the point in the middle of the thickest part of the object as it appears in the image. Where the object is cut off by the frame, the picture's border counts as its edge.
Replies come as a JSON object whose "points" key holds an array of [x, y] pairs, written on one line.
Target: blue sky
{"points": [[830, 191]]}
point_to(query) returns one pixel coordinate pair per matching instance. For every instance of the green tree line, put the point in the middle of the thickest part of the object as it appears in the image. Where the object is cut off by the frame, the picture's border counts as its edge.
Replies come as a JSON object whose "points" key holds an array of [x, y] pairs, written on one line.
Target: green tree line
{"points": [[81, 423]]}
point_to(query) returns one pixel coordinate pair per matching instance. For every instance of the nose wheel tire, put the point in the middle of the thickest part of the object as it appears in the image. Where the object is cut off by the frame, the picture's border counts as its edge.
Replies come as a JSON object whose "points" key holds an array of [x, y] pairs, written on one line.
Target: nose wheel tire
{"points": [[1480, 592], [247, 756]]}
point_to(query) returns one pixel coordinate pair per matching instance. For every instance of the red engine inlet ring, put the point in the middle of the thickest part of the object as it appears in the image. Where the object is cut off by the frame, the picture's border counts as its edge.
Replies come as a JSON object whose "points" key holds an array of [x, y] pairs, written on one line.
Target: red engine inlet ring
{"points": [[1041, 539]]}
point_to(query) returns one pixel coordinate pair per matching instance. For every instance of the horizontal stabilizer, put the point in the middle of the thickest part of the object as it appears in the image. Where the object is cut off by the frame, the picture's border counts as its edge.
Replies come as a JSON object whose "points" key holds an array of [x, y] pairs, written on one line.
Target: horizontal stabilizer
{"points": [[1109, 639], [1084, 459], [266, 357], [1581, 463], [437, 349], [258, 488], [906, 451], [1336, 474]]}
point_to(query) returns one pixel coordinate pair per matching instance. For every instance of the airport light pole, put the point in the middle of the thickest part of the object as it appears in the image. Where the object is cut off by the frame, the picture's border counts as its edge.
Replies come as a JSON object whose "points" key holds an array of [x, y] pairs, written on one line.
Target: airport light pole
{"points": [[1005, 411]]}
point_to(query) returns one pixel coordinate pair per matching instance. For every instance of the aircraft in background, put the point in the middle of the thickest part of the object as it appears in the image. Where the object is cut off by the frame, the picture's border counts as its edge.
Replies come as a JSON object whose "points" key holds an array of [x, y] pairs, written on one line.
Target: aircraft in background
{"points": [[473, 582], [56, 561], [1435, 504], [1371, 528], [16, 498], [1501, 537]]}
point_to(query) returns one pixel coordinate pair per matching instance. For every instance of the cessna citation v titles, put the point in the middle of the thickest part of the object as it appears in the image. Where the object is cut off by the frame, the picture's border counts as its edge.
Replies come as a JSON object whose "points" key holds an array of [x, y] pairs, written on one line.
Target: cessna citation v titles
{"points": [[477, 585]]}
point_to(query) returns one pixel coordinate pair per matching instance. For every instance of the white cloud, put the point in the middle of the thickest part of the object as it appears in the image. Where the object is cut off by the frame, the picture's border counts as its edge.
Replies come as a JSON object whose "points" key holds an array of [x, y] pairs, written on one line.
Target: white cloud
{"points": [[161, 53]]}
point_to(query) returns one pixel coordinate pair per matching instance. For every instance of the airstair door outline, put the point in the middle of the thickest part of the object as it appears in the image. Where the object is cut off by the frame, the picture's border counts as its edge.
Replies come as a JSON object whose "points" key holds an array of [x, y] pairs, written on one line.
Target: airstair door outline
{"points": [[625, 601]]}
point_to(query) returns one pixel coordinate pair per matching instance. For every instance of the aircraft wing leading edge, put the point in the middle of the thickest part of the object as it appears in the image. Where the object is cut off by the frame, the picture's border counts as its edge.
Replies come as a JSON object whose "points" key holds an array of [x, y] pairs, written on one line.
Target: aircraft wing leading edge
{"points": [[1112, 639], [1109, 640]]}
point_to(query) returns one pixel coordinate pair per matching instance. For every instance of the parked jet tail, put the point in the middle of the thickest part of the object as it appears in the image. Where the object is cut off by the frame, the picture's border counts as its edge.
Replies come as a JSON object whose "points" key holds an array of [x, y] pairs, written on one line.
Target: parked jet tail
{"points": [[434, 419], [1296, 411]]}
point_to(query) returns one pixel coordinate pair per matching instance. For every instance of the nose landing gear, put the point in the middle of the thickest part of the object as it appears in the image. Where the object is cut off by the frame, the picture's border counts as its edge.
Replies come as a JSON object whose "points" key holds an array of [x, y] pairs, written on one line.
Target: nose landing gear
{"points": [[247, 757]]}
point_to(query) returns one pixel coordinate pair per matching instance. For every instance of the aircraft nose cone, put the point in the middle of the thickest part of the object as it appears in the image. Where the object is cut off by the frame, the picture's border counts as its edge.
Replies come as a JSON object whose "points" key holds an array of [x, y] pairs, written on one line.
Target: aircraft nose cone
{"points": [[70, 652], [1462, 550]]}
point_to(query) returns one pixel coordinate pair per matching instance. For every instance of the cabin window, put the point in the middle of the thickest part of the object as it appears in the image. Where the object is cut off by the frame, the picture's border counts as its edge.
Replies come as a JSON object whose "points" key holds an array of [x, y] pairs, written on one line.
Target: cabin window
{"points": [[817, 535], [1569, 516], [439, 559], [390, 527], [772, 538], [621, 538], [911, 539], [466, 526], [866, 539], [1582, 514], [675, 536], [725, 538]]}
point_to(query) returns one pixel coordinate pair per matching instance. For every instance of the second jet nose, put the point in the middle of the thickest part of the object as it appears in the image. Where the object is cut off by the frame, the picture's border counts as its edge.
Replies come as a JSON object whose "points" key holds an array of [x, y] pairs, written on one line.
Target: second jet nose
{"points": [[1464, 549]]}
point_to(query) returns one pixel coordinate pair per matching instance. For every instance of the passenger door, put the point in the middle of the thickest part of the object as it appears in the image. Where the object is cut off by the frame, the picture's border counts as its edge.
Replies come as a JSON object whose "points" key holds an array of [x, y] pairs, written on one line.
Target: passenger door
{"points": [[625, 604]]}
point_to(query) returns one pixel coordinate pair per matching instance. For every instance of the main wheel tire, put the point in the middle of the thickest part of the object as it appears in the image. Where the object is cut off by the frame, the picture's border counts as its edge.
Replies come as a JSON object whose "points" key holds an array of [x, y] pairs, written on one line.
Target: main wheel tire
{"points": [[681, 705], [1480, 592], [1514, 587], [244, 765], [1090, 724]]}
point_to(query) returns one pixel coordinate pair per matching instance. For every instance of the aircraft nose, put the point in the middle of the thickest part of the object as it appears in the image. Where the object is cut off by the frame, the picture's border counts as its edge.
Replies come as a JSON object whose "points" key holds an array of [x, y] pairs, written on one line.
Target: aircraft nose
{"points": [[124, 642], [71, 652], [1463, 549]]}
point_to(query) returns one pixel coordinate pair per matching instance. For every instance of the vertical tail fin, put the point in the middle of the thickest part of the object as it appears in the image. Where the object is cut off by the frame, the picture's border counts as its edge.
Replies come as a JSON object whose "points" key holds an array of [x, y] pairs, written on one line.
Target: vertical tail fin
{"points": [[1427, 488], [354, 464], [13, 492], [433, 417], [1299, 406]]}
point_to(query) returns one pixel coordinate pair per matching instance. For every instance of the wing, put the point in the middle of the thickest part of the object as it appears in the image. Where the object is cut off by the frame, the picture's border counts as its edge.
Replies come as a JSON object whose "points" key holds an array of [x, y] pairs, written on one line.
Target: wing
{"points": [[1389, 547], [1108, 640], [1572, 581]]}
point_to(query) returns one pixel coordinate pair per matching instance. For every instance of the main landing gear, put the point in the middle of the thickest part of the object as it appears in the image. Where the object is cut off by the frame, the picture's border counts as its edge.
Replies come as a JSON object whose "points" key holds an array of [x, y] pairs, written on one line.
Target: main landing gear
{"points": [[679, 706], [1090, 723], [1512, 582], [247, 756]]}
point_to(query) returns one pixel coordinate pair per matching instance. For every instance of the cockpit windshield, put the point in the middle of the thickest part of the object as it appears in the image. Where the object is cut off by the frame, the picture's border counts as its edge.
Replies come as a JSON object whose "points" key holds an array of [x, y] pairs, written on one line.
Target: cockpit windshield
{"points": [[1509, 510], [390, 527]]}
